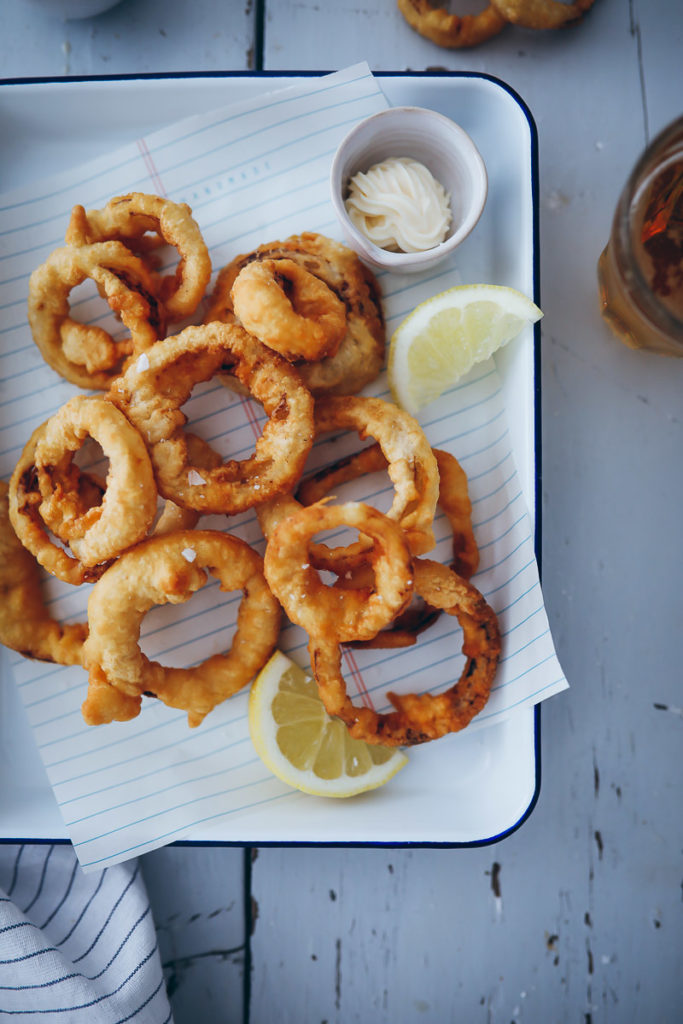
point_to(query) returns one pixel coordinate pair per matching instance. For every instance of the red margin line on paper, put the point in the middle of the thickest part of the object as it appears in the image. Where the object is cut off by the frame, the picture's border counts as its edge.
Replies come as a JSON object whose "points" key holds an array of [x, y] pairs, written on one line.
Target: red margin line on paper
{"points": [[358, 678], [151, 168]]}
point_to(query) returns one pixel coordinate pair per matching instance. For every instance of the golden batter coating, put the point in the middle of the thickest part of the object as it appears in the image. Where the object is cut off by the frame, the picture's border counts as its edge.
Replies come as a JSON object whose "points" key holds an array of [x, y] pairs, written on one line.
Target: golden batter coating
{"points": [[25, 624], [418, 718], [360, 355], [86, 354], [289, 309], [130, 219], [152, 398], [169, 569]]}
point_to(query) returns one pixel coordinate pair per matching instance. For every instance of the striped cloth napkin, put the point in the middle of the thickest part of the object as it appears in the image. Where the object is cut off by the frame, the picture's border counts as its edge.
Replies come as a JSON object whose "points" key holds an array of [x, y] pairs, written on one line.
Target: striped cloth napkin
{"points": [[76, 947]]}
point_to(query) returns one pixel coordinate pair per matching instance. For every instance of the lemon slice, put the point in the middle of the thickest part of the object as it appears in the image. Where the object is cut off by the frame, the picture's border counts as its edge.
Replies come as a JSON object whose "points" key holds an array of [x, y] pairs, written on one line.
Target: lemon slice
{"points": [[302, 745], [447, 334]]}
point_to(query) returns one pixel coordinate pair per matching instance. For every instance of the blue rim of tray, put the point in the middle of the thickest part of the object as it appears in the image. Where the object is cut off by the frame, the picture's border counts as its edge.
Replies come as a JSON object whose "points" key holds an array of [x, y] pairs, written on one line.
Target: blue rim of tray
{"points": [[533, 136]]}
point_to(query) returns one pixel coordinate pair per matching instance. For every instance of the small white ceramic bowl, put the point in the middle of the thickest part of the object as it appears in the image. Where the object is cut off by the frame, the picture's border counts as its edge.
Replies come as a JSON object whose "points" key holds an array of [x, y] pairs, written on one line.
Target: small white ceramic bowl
{"points": [[435, 141]]}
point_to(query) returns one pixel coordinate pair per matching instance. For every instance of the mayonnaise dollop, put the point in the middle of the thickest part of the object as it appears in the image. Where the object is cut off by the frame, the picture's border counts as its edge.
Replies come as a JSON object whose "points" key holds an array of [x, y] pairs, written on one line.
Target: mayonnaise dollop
{"points": [[399, 205]]}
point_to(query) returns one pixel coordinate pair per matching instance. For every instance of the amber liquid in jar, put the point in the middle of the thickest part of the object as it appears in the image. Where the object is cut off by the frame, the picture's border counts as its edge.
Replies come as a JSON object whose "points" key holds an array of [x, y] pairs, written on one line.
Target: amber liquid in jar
{"points": [[640, 272]]}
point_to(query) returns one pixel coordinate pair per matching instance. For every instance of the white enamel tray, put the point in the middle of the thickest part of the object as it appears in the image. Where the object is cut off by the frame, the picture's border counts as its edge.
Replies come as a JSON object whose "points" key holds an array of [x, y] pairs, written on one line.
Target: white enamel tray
{"points": [[484, 783]]}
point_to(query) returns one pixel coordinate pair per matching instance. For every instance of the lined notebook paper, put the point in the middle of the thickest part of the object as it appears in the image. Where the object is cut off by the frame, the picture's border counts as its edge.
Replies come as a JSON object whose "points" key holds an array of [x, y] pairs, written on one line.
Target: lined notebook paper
{"points": [[252, 173]]}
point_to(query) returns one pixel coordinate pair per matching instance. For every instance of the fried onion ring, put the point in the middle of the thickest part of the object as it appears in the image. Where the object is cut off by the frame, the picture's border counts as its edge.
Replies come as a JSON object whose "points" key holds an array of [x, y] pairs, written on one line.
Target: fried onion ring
{"points": [[406, 627], [453, 500], [453, 497], [97, 524], [163, 570], [128, 506], [541, 14], [173, 517], [418, 718], [412, 469], [129, 218], [404, 630], [411, 464], [151, 398], [360, 355], [322, 610], [87, 355], [289, 309], [25, 624], [451, 30], [24, 501]]}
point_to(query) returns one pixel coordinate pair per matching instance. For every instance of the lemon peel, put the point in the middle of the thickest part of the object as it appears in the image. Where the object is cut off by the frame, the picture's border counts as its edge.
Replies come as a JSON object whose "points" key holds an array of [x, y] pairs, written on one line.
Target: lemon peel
{"points": [[447, 334], [304, 746]]}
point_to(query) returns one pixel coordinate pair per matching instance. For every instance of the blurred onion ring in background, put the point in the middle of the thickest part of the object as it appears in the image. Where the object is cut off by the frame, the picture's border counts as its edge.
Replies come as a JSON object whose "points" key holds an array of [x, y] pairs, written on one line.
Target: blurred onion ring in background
{"points": [[451, 30], [541, 14]]}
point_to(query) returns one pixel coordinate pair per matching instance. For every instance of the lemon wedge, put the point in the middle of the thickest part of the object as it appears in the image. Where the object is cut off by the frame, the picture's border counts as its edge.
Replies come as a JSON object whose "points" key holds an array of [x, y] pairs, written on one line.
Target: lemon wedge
{"points": [[302, 745], [447, 334]]}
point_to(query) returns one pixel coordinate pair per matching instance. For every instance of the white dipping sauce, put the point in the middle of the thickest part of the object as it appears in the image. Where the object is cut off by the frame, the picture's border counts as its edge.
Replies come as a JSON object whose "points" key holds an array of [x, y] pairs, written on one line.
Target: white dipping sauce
{"points": [[399, 205]]}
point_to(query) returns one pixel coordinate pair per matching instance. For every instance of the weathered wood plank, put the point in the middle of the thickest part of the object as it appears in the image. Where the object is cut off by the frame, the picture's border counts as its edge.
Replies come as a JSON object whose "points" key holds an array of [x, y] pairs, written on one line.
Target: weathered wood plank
{"points": [[197, 898], [492, 935], [130, 38], [576, 917]]}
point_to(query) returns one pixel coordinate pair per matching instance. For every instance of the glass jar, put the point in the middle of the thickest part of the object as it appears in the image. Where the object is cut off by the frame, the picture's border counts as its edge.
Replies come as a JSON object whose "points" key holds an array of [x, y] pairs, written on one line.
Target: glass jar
{"points": [[640, 272]]}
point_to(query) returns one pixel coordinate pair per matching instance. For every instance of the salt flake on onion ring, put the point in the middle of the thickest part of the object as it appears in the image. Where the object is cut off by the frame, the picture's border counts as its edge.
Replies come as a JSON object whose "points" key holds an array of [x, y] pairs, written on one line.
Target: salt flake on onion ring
{"points": [[172, 516]]}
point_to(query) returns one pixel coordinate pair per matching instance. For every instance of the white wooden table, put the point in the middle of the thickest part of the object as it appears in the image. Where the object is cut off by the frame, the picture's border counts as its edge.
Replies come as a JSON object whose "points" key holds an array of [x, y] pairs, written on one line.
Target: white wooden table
{"points": [[575, 917]]}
